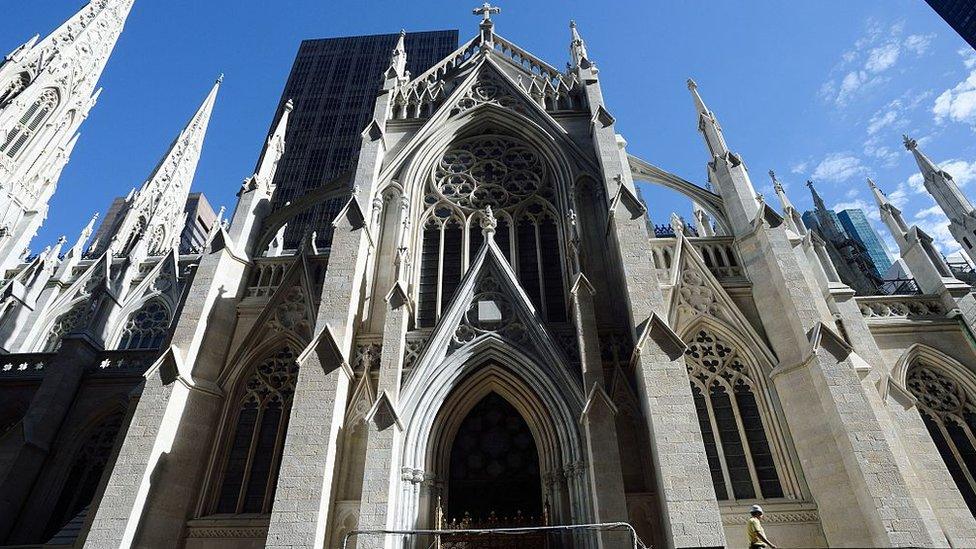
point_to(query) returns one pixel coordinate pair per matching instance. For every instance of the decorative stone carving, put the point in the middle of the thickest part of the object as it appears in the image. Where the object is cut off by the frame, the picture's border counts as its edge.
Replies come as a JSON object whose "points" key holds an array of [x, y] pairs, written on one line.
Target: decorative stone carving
{"points": [[489, 170], [901, 308], [367, 357], [489, 89], [936, 393], [708, 356], [490, 311], [291, 314]]}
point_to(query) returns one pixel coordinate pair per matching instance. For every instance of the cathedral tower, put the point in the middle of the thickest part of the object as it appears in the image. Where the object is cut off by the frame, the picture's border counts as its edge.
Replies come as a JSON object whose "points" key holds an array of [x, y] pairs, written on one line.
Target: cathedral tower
{"points": [[47, 88]]}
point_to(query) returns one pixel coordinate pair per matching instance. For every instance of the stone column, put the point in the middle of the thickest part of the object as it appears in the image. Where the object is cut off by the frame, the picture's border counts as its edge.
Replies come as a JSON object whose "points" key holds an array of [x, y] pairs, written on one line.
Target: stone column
{"points": [[381, 477], [942, 505], [850, 459], [689, 509], [41, 424], [154, 485], [602, 451]]}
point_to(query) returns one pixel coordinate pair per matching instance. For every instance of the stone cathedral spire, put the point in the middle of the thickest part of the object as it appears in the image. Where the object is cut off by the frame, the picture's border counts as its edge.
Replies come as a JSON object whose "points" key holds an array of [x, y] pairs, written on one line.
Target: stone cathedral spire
{"points": [[47, 88], [726, 171], [152, 217], [955, 205]]}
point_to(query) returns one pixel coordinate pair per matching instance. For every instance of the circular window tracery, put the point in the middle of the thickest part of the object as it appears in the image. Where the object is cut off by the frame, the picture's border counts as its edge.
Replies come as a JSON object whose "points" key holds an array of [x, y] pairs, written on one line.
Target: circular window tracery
{"points": [[490, 170]]}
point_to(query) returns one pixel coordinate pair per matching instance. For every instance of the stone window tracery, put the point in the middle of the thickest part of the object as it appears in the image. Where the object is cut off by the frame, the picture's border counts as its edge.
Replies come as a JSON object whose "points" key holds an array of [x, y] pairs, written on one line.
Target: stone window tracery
{"points": [[63, 325], [506, 174], [147, 327], [251, 468], [740, 459], [949, 413], [30, 122]]}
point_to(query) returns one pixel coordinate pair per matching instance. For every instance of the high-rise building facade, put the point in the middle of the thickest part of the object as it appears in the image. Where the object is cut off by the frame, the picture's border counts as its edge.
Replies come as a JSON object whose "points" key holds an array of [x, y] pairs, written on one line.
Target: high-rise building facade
{"points": [[857, 226], [333, 85], [961, 16]]}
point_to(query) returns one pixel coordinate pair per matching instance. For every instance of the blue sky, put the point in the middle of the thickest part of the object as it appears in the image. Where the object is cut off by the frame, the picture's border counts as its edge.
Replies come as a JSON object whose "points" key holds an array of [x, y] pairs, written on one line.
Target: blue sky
{"points": [[813, 89]]}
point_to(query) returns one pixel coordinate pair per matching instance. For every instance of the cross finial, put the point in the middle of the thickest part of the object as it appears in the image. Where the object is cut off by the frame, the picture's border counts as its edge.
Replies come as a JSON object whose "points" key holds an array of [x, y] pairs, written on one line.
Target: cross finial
{"points": [[910, 143], [486, 10]]}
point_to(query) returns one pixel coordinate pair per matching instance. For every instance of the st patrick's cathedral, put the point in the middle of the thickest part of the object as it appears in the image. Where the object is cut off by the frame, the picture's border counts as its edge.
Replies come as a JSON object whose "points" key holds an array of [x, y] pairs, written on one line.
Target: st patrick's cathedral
{"points": [[474, 326]]}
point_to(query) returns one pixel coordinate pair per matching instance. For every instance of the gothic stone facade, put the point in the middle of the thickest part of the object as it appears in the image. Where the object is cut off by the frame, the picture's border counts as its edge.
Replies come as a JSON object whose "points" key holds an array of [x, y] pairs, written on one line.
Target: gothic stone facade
{"points": [[491, 328]]}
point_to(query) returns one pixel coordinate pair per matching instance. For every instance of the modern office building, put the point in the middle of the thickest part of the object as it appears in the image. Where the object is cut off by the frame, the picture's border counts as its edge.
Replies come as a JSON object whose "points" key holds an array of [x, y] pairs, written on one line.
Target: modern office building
{"points": [[857, 226], [813, 223], [961, 16], [333, 85]]}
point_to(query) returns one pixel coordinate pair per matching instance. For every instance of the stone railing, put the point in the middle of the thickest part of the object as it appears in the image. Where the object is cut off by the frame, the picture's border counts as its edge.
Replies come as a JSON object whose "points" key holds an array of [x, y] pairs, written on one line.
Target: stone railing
{"points": [[718, 252], [268, 272], [901, 307]]}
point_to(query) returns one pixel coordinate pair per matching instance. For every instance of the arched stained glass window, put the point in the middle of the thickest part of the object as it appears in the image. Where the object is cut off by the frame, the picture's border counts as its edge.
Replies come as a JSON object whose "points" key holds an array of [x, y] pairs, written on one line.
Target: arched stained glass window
{"points": [[740, 460], [85, 473], [507, 174], [30, 122], [146, 328], [949, 413], [255, 446]]}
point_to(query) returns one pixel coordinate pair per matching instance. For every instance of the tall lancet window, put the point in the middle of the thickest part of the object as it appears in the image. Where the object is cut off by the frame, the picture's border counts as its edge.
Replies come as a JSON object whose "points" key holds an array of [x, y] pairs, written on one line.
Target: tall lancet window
{"points": [[250, 470], [740, 460], [30, 122], [147, 327], [949, 413], [507, 174], [85, 472]]}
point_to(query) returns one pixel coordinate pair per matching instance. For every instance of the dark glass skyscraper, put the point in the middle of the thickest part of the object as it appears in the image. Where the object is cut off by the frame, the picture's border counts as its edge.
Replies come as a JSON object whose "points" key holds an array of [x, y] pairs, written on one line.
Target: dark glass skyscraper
{"points": [[960, 14], [333, 83], [857, 227]]}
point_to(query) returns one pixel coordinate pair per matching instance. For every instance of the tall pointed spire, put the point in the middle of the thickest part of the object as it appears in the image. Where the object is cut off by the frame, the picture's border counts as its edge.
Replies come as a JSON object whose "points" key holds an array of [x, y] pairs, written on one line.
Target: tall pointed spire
{"points": [[940, 184], [955, 205], [267, 167], [725, 169], [829, 224], [708, 124], [790, 214], [152, 215], [890, 214], [398, 60], [577, 47], [47, 88]]}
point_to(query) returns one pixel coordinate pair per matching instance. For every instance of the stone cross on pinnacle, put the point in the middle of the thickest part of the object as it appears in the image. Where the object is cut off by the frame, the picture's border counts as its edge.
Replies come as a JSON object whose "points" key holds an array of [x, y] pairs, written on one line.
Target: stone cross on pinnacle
{"points": [[486, 10]]}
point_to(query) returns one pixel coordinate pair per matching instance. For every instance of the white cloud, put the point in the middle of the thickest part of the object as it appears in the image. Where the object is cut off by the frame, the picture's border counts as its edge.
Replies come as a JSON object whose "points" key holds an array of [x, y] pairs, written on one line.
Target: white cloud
{"points": [[929, 212], [865, 65], [884, 118], [915, 182], [962, 172], [899, 196], [800, 167], [958, 103], [883, 57], [838, 167], [918, 43], [870, 210], [968, 57]]}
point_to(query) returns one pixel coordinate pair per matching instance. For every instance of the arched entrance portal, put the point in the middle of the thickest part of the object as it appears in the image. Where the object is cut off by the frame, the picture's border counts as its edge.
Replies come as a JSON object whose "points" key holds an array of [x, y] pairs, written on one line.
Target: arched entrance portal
{"points": [[494, 468]]}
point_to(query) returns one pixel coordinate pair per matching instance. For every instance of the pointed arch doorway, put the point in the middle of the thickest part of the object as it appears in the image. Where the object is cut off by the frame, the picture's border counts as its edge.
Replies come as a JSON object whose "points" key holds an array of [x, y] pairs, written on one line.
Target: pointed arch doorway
{"points": [[494, 474]]}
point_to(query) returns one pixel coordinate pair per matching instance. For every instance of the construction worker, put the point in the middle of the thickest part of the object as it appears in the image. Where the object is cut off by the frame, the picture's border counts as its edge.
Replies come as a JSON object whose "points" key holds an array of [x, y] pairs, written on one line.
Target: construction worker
{"points": [[757, 536]]}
